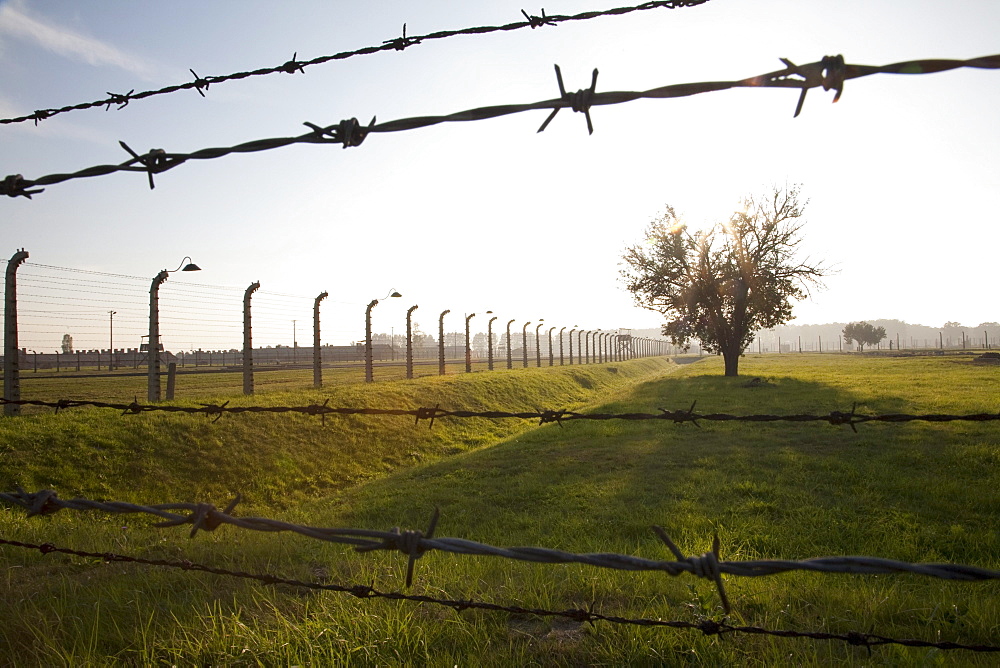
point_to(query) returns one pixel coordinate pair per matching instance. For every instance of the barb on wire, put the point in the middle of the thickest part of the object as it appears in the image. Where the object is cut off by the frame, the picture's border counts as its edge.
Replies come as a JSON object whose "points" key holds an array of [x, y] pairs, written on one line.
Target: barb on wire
{"points": [[706, 626], [538, 21], [828, 73], [578, 101], [681, 416], [199, 84], [414, 544], [294, 65], [400, 43], [119, 99]]}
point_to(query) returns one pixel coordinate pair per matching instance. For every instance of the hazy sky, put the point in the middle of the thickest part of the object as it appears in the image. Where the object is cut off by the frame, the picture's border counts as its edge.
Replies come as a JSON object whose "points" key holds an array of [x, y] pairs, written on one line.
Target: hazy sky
{"points": [[901, 175]]}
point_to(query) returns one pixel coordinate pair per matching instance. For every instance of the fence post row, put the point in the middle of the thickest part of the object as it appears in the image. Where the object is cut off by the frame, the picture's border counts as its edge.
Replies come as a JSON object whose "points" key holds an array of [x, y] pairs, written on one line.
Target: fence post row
{"points": [[248, 340], [607, 348]]}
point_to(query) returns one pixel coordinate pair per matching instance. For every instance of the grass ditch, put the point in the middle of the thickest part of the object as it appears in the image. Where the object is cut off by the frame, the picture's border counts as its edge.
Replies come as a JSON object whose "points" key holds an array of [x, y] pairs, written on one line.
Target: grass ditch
{"points": [[916, 492]]}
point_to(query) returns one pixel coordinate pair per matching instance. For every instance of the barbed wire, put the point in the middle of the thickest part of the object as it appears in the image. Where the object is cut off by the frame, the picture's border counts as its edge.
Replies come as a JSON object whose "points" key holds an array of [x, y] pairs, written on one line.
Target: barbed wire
{"points": [[415, 543], [707, 626], [831, 72], [216, 411], [201, 84]]}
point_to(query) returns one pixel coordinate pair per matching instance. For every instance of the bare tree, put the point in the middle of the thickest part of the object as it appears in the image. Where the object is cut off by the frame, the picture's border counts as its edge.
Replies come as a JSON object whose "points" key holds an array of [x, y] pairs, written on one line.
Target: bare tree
{"points": [[723, 285]]}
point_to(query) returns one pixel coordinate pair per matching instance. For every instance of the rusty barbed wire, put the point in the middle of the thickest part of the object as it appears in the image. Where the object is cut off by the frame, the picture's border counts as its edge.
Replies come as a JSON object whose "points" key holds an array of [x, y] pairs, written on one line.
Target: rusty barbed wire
{"points": [[831, 72], [294, 65], [682, 416], [707, 626], [415, 543]]}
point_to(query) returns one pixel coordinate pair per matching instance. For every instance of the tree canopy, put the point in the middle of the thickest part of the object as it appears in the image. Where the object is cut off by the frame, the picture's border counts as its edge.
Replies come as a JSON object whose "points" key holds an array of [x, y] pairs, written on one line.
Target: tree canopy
{"points": [[722, 285], [863, 333]]}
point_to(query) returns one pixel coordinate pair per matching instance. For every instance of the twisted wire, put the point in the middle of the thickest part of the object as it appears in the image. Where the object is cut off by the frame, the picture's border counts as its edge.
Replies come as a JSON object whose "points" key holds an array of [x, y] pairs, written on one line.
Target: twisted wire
{"points": [[200, 84], [829, 73], [414, 543], [850, 418], [706, 626]]}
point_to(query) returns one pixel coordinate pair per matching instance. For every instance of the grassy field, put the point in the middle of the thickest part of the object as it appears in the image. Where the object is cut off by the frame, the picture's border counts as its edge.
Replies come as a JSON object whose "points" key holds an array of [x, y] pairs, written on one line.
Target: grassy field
{"points": [[915, 492]]}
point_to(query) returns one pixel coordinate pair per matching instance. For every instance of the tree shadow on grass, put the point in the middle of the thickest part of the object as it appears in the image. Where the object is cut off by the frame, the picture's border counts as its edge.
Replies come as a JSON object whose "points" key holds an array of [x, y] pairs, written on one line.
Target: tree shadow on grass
{"points": [[789, 489], [609, 469]]}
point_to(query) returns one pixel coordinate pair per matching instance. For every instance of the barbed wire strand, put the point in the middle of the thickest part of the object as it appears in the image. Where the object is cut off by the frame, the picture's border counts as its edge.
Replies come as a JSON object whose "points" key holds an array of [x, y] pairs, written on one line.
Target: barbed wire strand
{"points": [[708, 627], [201, 84], [414, 543], [831, 72], [216, 411]]}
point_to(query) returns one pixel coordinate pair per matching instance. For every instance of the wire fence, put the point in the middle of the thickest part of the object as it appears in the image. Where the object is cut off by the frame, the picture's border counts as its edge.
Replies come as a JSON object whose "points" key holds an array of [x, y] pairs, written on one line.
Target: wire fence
{"points": [[682, 416], [829, 73], [201, 84], [708, 627]]}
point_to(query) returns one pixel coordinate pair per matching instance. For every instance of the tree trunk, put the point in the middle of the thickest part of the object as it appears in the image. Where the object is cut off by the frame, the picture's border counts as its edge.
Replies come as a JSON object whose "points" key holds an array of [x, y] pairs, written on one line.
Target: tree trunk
{"points": [[732, 360]]}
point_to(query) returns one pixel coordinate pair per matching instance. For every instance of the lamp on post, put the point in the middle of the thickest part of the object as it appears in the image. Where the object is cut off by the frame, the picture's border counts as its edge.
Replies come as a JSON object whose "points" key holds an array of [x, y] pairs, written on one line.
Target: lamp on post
{"points": [[489, 342], [524, 343], [468, 344], [538, 342], [441, 340], [571, 345], [153, 354], [368, 334], [561, 345], [509, 361]]}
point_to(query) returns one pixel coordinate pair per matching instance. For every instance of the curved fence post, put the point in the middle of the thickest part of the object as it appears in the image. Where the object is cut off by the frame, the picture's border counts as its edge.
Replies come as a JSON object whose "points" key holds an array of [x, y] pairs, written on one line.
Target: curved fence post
{"points": [[409, 340], [317, 351], [11, 354], [248, 339], [441, 340]]}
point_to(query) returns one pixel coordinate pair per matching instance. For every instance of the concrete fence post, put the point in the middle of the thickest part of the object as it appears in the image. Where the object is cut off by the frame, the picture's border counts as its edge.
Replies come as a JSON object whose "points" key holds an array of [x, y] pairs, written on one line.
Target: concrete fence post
{"points": [[510, 362], [468, 344], [317, 351], [409, 340], [441, 340], [11, 354], [248, 339]]}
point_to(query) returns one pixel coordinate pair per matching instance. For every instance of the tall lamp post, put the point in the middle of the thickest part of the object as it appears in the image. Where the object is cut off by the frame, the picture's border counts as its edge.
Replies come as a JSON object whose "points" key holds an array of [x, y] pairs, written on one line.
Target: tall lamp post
{"points": [[368, 334], [538, 342], [571, 345], [468, 344], [524, 343], [153, 356], [489, 342], [510, 364], [561, 345], [441, 340]]}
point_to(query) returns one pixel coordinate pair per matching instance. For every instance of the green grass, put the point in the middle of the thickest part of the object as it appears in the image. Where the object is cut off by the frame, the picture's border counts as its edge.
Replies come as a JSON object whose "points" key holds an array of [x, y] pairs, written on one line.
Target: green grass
{"points": [[127, 384], [916, 492]]}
